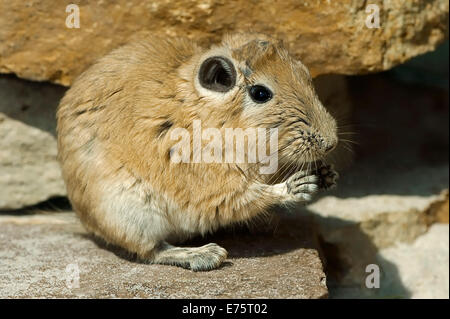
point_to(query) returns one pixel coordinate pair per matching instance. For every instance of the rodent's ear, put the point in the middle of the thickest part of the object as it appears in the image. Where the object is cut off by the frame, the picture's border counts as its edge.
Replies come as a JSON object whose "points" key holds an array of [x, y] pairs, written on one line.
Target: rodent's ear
{"points": [[217, 74]]}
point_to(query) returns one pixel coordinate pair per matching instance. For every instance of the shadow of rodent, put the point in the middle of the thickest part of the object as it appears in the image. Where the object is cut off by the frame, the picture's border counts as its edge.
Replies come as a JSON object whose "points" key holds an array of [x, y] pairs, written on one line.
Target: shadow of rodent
{"points": [[276, 234], [123, 253], [345, 263], [116, 250]]}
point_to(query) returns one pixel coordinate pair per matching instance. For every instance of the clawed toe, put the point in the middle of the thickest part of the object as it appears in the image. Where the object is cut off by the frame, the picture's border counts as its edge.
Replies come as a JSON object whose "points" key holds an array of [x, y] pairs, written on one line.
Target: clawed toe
{"points": [[302, 185], [327, 177]]}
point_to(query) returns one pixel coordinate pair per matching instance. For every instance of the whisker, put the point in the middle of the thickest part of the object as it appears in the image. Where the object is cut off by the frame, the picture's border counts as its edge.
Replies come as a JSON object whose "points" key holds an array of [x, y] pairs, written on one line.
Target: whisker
{"points": [[348, 148], [347, 133], [349, 141]]}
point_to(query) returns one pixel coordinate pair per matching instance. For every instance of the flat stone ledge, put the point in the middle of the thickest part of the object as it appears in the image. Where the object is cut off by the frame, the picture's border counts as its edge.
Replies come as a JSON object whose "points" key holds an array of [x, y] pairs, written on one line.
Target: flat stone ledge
{"points": [[40, 252]]}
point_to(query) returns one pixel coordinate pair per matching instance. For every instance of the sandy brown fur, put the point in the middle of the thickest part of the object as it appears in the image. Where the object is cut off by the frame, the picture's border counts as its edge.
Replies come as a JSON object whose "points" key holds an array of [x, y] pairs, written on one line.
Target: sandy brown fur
{"points": [[114, 143]]}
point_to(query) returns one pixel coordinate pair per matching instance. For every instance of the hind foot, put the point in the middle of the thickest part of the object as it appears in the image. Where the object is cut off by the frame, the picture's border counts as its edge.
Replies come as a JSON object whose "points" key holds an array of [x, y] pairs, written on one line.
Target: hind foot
{"points": [[202, 258]]}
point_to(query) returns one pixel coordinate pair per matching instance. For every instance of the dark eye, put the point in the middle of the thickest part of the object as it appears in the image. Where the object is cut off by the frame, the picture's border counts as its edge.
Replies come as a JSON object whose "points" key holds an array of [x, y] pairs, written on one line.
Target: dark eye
{"points": [[260, 94]]}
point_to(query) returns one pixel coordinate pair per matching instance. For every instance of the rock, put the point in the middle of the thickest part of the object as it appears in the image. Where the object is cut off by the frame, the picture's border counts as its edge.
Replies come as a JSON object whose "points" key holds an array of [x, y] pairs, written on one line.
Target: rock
{"points": [[354, 230], [396, 188], [329, 36], [438, 212], [385, 219], [41, 254], [29, 172], [422, 265], [410, 270]]}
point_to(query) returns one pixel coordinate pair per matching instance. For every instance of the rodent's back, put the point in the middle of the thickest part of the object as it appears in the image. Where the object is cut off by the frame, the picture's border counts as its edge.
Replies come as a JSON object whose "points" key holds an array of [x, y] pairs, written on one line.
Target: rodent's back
{"points": [[101, 129]]}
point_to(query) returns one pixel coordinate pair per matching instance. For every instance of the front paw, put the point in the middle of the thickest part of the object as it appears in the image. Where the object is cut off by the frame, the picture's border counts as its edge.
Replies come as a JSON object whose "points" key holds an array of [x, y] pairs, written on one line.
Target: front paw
{"points": [[302, 185], [327, 177]]}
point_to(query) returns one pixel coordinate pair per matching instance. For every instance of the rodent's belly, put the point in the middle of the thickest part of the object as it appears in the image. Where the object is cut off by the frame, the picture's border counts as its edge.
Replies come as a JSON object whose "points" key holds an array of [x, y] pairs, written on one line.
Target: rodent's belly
{"points": [[122, 204], [187, 224], [155, 213]]}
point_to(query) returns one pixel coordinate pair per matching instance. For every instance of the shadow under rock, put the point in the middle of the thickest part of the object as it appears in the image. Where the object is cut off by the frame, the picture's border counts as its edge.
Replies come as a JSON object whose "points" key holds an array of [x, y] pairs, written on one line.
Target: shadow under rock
{"points": [[345, 264], [402, 139], [33, 103], [402, 149]]}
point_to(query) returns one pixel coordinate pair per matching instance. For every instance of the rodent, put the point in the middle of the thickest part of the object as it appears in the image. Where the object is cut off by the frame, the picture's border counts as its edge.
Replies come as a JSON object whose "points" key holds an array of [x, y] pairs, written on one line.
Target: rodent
{"points": [[114, 145]]}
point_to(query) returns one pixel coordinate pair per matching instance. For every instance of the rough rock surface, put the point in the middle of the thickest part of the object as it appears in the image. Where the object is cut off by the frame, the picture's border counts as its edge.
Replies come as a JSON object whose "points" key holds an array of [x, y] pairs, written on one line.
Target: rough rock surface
{"points": [[409, 270], [39, 255], [386, 219], [353, 231], [28, 167], [422, 265], [396, 187], [438, 212], [29, 172], [329, 36]]}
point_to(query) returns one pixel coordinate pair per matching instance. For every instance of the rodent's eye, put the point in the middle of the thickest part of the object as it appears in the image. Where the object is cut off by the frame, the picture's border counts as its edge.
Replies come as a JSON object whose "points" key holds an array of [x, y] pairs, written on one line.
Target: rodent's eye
{"points": [[260, 94]]}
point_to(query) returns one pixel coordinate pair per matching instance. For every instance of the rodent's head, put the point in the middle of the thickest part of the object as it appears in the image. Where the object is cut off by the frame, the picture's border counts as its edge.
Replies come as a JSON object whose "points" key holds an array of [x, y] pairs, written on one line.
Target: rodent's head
{"points": [[250, 80]]}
